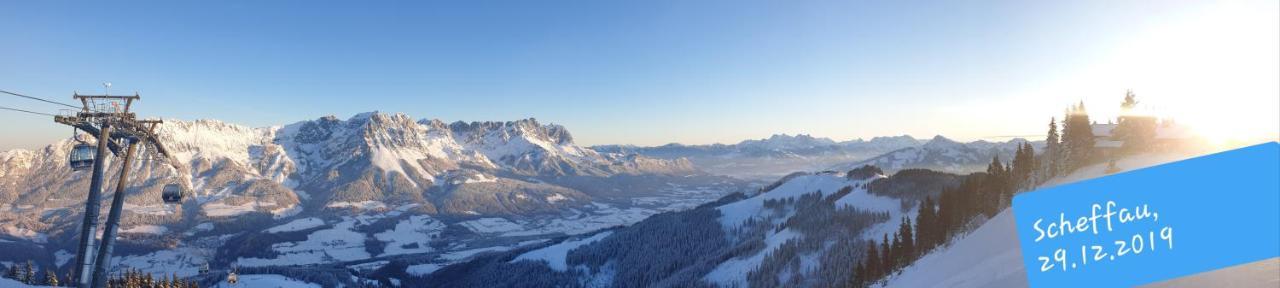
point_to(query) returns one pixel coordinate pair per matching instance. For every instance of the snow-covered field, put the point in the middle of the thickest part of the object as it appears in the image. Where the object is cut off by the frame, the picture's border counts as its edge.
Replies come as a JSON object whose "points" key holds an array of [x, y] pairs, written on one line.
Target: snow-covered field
{"points": [[297, 225], [339, 243], [412, 235], [554, 255], [146, 229], [423, 269], [267, 281], [183, 261]]}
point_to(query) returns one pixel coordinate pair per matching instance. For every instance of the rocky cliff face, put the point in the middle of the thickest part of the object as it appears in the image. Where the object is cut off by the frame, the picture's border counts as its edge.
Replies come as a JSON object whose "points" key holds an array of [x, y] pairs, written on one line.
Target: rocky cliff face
{"points": [[371, 161]]}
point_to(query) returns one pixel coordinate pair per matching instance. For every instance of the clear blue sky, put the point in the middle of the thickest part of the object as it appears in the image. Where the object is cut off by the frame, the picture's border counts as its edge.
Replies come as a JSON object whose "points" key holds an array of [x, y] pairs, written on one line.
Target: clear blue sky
{"points": [[636, 72]]}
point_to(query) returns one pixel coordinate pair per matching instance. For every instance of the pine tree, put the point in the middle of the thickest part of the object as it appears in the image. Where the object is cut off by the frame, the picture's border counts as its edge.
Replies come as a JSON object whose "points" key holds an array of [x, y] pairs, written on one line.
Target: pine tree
{"points": [[1052, 149], [1077, 138], [1137, 131], [925, 218], [13, 272], [872, 262], [886, 256], [29, 273], [908, 241], [50, 278]]}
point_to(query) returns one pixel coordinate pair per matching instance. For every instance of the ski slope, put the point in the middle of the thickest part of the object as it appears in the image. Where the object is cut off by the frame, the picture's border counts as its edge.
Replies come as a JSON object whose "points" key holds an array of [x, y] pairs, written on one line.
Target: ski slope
{"points": [[990, 256]]}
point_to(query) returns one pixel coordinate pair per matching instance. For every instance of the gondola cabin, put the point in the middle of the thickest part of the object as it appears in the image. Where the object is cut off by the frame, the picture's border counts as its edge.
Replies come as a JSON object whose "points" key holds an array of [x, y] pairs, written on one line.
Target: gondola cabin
{"points": [[82, 157], [172, 193]]}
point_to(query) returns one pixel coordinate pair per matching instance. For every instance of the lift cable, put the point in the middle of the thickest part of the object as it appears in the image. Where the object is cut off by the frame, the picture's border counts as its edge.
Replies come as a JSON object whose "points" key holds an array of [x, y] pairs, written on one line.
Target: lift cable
{"points": [[40, 99], [20, 110]]}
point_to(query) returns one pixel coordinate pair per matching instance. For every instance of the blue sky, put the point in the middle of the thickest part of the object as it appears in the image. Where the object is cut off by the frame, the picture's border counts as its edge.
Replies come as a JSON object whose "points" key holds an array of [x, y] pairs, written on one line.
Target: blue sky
{"points": [[647, 72]]}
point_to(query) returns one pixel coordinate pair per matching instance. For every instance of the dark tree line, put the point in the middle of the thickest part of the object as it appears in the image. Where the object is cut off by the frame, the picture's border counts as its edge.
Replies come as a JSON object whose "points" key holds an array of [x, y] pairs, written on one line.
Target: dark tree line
{"points": [[978, 196], [136, 279], [27, 274]]}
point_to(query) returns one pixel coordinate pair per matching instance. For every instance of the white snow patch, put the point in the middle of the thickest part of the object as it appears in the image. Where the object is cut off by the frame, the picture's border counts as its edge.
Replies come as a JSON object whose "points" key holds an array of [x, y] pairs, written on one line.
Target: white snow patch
{"points": [[412, 235], [734, 214], [364, 205], [556, 197], [61, 257], [146, 229], [183, 261], [339, 243], [268, 281], [492, 225], [733, 272], [297, 225], [423, 269], [220, 209], [554, 255], [987, 257]]}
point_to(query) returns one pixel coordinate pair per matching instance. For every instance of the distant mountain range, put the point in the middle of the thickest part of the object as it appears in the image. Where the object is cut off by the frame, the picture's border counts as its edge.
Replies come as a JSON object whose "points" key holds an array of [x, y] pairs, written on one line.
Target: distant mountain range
{"points": [[378, 191], [346, 181], [782, 154], [370, 160]]}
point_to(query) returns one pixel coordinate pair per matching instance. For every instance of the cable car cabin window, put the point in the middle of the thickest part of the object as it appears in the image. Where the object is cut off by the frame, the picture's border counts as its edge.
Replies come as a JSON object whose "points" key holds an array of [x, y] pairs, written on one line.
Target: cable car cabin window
{"points": [[82, 157], [172, 193]]}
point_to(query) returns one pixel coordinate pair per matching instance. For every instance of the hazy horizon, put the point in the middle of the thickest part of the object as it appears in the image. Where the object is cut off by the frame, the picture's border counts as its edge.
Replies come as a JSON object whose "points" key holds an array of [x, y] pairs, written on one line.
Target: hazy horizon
{"points": [[654, 73]]}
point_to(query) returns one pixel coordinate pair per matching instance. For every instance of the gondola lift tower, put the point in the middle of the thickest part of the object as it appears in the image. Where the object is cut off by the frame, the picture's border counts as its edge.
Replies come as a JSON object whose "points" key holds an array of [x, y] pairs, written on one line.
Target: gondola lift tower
{"points": [[108, 118]]}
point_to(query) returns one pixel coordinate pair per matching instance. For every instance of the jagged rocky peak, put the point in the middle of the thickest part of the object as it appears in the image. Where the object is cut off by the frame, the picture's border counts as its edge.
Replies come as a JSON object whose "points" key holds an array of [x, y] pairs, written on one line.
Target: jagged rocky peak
{"points": [[505, 131]]}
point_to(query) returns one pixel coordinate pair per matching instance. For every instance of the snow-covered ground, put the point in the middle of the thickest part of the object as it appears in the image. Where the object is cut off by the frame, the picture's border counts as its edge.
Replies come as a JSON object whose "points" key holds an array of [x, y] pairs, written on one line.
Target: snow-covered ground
{"points": [[10, 283], [412, 235], [733, 272], [267, 281], [423, 269], [555, 255], [339, 243], [297, 225], [492, 225], [1265, 273], [182, 261], [990, 255], [987, 257], [146, 229]]}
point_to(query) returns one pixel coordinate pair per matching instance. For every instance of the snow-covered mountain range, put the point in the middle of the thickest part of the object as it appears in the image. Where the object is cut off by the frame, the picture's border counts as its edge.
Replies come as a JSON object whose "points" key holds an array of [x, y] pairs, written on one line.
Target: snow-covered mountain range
{"points": [[944, 154], [769, 158], [338, 184], [369, 160], [779, 155]]}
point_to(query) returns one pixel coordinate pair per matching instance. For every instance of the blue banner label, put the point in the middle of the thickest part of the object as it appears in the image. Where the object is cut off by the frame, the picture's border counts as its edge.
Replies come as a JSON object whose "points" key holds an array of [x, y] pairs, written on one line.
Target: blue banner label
{"points": [[1154, 224]]}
